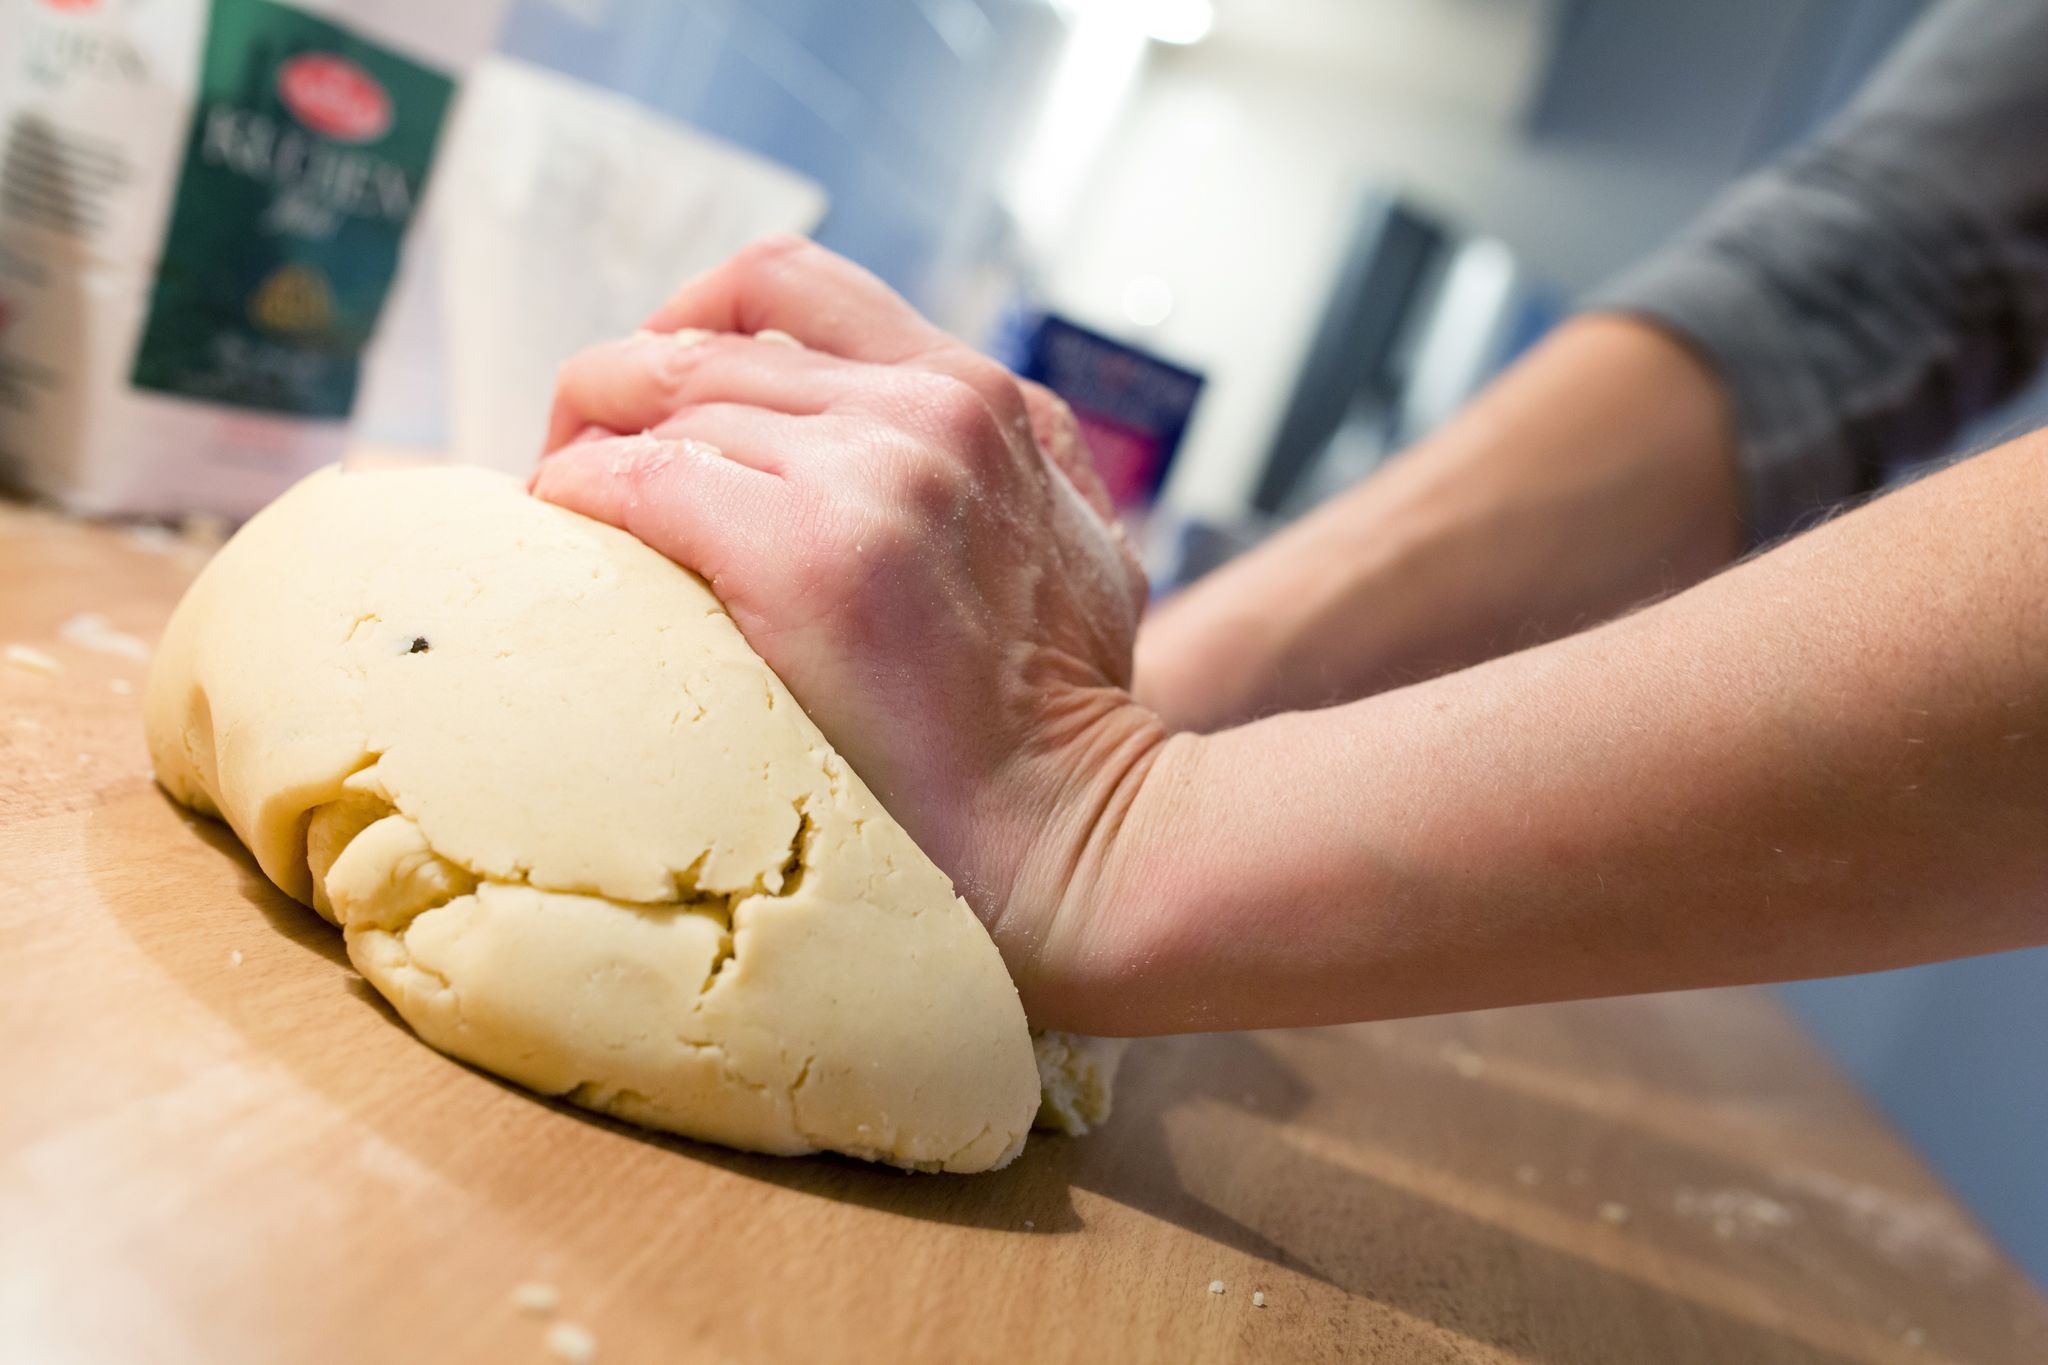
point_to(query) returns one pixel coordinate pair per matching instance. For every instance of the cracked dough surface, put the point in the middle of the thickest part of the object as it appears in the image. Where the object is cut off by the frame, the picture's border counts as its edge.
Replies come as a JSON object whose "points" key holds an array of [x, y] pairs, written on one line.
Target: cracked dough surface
{"points": [[578, 834]]}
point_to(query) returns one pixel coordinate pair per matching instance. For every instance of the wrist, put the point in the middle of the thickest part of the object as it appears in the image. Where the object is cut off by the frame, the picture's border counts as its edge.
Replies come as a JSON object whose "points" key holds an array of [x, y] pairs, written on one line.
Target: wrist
{"points": [[1063, 930]]}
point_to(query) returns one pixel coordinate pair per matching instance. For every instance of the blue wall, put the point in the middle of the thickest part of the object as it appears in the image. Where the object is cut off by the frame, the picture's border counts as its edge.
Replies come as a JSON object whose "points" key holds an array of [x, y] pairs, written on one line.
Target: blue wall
{"points": [[1957, 1056], [901, 109]]}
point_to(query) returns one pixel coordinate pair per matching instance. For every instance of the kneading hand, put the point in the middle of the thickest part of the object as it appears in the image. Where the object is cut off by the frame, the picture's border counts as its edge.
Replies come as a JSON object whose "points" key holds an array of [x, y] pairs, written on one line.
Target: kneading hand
{"points": [[913, 540]]}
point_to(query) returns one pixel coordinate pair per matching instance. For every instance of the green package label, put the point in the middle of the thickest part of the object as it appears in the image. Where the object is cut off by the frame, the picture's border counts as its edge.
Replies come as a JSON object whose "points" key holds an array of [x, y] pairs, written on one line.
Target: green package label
{"points": [[308, 153]]}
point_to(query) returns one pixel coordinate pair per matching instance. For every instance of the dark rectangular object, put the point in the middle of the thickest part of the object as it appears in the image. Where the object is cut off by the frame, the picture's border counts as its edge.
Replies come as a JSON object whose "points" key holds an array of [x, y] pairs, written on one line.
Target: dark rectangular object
{"points": [[1132, 406], [1395, 255]]}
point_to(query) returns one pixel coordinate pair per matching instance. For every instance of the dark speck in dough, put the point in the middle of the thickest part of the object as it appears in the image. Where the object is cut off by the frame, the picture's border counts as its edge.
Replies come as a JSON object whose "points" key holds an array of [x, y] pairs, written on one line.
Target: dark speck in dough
{"points": [[419, 645]]}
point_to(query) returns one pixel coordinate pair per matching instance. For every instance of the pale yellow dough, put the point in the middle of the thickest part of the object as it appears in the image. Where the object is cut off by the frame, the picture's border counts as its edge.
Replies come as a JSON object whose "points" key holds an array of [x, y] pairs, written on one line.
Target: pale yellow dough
{"points": [[580, 835]]}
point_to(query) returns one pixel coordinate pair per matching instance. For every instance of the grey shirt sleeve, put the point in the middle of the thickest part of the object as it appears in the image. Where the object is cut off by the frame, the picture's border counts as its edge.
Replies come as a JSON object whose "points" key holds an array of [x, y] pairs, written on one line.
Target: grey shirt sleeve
{"points": [[1881, 285]]}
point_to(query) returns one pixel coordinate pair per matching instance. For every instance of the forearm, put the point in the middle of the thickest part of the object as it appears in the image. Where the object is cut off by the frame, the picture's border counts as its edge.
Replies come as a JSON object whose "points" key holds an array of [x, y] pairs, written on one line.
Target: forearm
{"points": [[1831, 759], [1596, 473]]}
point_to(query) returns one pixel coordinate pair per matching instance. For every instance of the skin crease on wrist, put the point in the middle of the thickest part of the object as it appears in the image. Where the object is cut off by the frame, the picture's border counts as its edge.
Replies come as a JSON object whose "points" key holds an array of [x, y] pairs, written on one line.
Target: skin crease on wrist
{"points": [[1597, 473]]}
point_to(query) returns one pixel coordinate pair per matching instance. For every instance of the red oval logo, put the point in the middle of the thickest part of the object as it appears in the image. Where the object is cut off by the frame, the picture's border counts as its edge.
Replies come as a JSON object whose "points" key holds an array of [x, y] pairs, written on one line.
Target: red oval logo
{"points": [[334, 97]]}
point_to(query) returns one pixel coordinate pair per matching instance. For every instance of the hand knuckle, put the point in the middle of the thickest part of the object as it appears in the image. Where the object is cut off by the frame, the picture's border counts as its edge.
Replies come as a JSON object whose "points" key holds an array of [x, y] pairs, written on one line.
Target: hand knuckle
{"points": [[959, 415], [981, 374], [930, 482], [775, 251]]}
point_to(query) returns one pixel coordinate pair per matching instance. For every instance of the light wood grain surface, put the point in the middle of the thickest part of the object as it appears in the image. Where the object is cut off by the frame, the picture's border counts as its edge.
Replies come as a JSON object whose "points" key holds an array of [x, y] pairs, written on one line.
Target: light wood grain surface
{"points": [[217, 1146]]}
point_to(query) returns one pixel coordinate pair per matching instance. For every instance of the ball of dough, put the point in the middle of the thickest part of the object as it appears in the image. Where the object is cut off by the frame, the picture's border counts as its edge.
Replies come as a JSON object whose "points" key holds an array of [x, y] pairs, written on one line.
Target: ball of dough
{"points": [[577, 832]]}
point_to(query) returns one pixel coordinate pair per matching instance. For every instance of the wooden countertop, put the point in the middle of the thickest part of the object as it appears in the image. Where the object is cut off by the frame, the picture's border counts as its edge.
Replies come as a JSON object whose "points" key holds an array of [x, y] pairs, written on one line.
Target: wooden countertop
{"points": [[217, 1146]]}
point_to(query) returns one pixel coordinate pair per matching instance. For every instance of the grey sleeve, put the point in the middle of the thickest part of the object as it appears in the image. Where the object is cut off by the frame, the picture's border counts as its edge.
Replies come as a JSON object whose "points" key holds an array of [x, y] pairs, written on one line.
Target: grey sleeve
{"points": [[1884, 283]]}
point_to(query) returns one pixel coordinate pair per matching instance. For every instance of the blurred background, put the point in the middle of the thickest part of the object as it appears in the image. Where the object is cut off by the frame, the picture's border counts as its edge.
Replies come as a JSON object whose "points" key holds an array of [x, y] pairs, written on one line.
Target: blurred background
{"points": [[1341, 216], [1261, 244]]}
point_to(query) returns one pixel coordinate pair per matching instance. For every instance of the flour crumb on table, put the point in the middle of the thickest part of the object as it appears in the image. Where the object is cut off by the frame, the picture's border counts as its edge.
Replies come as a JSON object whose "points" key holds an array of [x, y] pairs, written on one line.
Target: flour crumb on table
{"points": [[90, 630], [536, 1297], [573, 1342], [1215, 1286], [1464, 1060], [1029, 1225], [1611, 1212], [1526, 1175], [235, 958], [1258, 1298], [155, 540], [31, 660], [1734, 1213]]}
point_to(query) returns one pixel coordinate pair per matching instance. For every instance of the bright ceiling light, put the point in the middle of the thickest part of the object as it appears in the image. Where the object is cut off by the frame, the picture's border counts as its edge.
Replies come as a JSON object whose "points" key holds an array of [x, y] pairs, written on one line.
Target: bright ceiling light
{"points": [[1167, 21], [1177, 21], [1148, 300]]}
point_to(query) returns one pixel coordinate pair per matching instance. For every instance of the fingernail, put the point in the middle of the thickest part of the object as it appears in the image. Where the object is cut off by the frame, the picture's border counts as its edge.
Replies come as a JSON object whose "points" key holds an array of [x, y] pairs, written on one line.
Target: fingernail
{"points": [[775, 336], [682, 338]]}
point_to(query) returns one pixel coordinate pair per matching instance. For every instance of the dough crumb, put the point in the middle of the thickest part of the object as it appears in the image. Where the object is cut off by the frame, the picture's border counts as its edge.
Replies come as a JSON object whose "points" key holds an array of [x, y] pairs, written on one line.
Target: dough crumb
{"points": [[536, 1297], [1464, 1060], [1075, 1076], [571, 1341], [30, 660], [202, 531], [1611, 1212], [1215, 1286], [1734, 1211], [235, 958], [1258, 1298], [155, 540], [1526, 1175], [90, 630]]}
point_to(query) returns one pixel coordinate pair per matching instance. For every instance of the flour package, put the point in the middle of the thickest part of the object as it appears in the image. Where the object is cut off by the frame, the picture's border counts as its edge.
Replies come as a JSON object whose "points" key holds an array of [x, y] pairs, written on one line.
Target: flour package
{"points": [[201, 211]]}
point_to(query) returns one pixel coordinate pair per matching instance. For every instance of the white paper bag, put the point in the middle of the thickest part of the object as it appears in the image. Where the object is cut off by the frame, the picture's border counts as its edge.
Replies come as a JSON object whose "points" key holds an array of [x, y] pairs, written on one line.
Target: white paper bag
{"points": [[567, 215]]}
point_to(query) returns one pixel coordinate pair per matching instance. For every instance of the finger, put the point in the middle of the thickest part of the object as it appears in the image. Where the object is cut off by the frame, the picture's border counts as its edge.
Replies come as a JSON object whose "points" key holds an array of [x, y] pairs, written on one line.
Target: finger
{"points": [[588, 433], [681, 497], [792, 285], [622, 386], [613, 386], [831, 305], [637, 382], [770, 442]]}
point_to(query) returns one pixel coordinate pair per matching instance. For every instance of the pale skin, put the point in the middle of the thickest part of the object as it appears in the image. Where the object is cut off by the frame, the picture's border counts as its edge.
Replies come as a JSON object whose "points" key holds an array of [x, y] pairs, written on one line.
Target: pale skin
{"points": [[1832, 757]]}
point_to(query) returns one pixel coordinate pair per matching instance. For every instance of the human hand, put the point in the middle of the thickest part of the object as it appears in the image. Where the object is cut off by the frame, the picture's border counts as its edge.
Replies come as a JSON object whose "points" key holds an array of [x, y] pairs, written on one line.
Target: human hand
{"points": [[914, 542]]}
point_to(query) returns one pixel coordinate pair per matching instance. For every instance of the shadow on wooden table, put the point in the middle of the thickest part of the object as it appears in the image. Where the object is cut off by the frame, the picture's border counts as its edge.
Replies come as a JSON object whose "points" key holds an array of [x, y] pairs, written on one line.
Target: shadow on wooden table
{"points": [[1318, 1153], [297, 923], [289, 1016]]}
